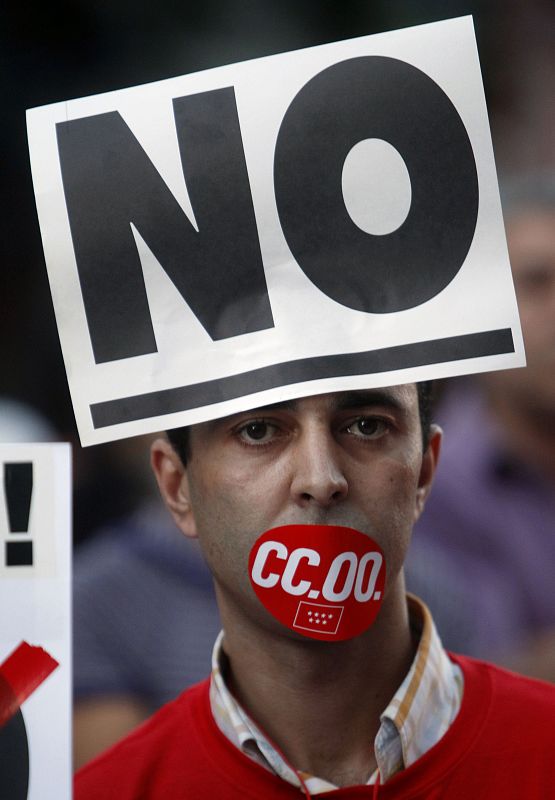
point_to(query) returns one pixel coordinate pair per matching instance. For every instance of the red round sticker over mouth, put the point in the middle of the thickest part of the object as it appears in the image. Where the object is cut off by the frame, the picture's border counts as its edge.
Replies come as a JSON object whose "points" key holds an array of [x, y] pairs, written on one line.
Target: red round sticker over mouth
{"points": [[322, 581]]}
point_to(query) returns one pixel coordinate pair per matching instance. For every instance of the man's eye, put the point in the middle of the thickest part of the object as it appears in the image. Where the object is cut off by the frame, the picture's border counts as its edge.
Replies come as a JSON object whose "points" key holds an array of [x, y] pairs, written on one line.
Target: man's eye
{"points": [[367, 427], [257, 432], [535, 281]]}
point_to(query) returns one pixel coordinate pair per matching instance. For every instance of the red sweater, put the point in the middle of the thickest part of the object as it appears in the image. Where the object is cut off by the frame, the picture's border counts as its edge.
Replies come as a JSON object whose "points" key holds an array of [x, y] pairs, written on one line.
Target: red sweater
{"points": [[500, 746]]}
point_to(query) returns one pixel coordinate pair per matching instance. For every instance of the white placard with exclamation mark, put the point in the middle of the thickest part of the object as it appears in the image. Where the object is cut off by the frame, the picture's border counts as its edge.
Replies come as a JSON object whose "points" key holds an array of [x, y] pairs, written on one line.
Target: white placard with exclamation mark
{"points": [[35, 633]]}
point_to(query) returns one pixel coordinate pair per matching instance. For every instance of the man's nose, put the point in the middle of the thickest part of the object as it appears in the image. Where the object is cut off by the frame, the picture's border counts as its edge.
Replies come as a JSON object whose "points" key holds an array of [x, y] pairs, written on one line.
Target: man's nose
{"points": [[318, 473]]}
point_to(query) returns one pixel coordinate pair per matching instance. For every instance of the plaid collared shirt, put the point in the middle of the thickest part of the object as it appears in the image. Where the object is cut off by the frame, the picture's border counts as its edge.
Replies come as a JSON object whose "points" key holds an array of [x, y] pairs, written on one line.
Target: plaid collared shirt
{"points": [[422, 709]]}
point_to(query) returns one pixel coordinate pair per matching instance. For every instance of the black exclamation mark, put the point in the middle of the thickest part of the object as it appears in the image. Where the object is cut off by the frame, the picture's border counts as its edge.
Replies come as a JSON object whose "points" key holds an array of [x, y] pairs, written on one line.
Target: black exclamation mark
{"points": [[18, 488]]}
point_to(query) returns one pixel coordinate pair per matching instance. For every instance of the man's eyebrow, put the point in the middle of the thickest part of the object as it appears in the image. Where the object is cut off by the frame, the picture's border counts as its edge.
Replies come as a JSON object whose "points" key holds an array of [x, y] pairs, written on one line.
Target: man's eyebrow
{"points": [[343, 402], [363, 399], [288, 405]]}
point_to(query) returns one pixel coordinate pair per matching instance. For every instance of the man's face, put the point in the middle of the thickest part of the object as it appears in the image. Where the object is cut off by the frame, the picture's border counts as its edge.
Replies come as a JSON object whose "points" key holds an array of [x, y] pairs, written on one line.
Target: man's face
{"points": [[352, 459], [531, 240]]}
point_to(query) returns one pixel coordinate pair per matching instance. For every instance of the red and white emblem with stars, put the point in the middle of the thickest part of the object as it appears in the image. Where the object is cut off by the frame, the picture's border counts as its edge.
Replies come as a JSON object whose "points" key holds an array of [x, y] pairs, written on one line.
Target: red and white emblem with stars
{"points": [[339, 567], [318, 617]]}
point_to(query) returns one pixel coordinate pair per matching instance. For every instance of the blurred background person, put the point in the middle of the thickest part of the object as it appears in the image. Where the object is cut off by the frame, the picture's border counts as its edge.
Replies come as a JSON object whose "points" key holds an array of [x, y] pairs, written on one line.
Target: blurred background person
{"points": [[491, 515], [144, 623], [20, 422]]}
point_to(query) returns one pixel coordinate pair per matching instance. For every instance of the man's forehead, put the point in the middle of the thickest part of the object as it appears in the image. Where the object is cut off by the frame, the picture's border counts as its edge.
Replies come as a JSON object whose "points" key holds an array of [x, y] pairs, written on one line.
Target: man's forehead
{"points": [[403, 397]]}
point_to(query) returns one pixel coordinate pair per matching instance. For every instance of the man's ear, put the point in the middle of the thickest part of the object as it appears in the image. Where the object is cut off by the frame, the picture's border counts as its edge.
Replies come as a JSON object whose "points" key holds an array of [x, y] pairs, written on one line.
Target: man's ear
{"points": [[428, 468], [173, 484]]}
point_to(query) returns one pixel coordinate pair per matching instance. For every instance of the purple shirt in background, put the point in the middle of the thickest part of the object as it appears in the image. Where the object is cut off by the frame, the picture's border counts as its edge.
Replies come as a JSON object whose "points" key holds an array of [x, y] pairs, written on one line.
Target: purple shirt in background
{"points": [[487, 536]]}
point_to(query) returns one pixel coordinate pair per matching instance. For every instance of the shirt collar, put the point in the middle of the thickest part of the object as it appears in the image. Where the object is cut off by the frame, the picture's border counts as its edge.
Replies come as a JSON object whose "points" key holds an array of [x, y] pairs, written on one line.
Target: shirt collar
{"points": [[425, 704], [420, 712]]}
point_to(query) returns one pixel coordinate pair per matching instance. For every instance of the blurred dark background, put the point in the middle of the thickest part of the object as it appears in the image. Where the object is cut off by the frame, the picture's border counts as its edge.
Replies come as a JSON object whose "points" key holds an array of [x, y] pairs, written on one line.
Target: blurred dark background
{"points": [[61, 50]]}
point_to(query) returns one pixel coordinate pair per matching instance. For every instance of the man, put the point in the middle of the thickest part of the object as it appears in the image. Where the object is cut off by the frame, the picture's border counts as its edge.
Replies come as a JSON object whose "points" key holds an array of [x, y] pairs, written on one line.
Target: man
{"points": [[385, 713]]}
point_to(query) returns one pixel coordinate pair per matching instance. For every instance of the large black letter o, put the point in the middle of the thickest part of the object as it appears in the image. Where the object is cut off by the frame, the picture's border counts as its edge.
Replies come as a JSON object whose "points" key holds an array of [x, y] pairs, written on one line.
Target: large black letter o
{"points": [[383, 98]]}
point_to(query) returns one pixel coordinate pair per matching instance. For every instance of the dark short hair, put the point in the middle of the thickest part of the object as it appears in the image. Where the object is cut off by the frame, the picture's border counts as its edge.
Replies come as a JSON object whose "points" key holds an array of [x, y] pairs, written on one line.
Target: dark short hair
{"points": [[181, 443], [425, 391]]}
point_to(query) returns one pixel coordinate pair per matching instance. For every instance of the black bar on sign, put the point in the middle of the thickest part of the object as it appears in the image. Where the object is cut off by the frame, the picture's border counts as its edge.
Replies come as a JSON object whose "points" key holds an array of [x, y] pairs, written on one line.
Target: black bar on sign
{"points": [[387, 359]]}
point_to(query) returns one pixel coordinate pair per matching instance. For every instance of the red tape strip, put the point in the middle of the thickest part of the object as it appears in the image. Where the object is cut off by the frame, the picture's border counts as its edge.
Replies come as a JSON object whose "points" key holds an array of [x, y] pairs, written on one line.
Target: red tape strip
{"points": [[21, 673]]}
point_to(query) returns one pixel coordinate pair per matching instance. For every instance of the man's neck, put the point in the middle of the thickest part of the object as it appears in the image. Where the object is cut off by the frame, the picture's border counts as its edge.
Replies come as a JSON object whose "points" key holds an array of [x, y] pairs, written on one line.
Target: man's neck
{"points": [[320, 703]]}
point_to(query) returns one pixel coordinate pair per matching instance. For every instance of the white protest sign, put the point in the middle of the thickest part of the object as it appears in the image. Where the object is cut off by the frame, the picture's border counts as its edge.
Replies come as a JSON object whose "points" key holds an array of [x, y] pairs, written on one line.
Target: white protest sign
{"points": [[35, 634], [320, 220]]}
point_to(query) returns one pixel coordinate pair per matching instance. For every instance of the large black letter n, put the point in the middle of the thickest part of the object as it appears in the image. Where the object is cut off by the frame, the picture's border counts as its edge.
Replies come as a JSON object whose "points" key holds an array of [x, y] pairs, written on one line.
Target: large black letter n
{"points": [[109, 182]]}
